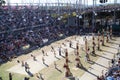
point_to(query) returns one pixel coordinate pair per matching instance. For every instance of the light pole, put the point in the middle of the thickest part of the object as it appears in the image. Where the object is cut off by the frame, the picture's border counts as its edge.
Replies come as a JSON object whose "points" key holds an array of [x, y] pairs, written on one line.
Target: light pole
{"points": [[8, 3], [39, 2], [84, 15], [93, 16], [114, 17], [58, 7], [78, 18]]}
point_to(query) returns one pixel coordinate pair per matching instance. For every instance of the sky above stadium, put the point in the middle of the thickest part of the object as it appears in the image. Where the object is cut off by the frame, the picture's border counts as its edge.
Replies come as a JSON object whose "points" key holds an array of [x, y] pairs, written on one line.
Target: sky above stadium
{"points": [[89, 2]]}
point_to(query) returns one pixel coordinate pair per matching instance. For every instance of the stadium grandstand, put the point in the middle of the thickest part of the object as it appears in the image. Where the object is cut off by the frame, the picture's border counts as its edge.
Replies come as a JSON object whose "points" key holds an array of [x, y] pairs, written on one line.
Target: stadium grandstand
{"points": [[59, 39]]}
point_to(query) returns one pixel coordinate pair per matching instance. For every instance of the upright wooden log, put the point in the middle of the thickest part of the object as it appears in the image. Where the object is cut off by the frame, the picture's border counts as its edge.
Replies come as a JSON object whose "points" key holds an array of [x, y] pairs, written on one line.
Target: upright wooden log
{"points": [[93, 43], [86, 46], [98, 40], [66, 65], [110, 32], [103, 38], [107, 35]]}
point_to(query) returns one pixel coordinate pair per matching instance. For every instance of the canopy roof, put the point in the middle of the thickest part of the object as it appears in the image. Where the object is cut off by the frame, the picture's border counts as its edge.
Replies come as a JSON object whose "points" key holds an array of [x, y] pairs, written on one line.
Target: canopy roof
{"points": [[86, 2]]}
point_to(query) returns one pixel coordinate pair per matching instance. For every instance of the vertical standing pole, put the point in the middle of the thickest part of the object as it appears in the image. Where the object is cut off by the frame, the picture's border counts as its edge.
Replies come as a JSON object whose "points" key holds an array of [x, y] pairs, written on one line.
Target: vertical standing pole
{"points": [[93, 16], [68, 15], [114, 17], [46, 7], [98, 40], [80, 5], [77, 5], [86, 45], [84, 15], [39, 3], [29, 2], [66, 66], [25, 2], [8, 3], [87, 3], [107, 34], [77, 13], [93, 39], [110, 32], [78, 62], [103, 38], [110, 1], [33, 2], [58, 7], [22, 2]]}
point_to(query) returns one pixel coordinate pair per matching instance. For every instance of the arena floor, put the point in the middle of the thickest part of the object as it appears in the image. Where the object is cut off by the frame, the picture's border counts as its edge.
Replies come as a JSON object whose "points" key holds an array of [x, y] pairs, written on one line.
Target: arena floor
{"points": [[47, 71]]}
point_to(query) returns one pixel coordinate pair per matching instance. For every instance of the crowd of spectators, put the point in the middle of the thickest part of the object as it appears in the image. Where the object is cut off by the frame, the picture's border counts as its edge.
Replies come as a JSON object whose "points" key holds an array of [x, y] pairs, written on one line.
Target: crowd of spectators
{"points": [[33, 27], [30, 26], [112, 74]]}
